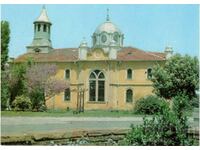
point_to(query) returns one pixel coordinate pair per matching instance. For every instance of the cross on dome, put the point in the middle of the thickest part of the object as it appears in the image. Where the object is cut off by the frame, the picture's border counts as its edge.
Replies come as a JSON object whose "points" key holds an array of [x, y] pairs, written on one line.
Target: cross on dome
{"points": [[107, 17]]}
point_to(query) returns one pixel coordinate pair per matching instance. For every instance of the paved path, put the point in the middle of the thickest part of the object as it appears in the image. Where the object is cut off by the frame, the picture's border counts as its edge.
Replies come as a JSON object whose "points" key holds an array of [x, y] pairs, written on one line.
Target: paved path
{"points": [[26, 125]]}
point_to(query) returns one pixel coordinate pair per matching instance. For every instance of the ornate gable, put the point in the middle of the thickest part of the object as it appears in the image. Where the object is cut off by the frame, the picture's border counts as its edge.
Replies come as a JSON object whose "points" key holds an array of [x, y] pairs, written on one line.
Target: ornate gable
{"points": [[97, 54]]}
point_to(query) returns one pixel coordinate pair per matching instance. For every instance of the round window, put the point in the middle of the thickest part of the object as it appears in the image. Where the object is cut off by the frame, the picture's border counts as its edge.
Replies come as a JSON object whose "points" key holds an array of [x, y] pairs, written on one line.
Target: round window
{"points": [[103, 38]]}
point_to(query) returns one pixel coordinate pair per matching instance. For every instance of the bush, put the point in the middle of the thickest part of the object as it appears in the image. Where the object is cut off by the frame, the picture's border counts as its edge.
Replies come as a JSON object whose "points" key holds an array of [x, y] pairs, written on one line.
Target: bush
{"points": [[180, 104], [195, 102], [22, 103], [42, 107], [165, 130], [150, 105], [38, 100]]}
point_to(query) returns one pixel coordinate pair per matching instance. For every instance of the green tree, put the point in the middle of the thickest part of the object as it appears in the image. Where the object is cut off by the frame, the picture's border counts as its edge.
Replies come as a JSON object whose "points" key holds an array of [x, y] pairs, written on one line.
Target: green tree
{"points": [[5, 38], [17, 83], [5, 94], [180, 74]]}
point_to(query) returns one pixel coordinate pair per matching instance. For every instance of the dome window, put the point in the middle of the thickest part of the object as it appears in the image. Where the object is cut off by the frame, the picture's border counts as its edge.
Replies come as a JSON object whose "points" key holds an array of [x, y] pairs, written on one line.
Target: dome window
{"points": [[39, 27], [44, 28], [116, 37], [108, 33], [103, 38]]}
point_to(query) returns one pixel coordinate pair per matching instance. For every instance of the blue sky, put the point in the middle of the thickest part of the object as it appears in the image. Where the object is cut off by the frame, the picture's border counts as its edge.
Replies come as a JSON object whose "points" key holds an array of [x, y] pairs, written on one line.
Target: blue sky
{"points": [[148, 27]]}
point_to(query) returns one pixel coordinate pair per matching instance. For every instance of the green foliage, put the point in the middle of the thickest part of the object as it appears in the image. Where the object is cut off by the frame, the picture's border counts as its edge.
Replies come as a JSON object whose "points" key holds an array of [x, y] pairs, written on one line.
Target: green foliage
{"points": [[22, 103], [38, 100], [165, 129], [180, 105], [179, 74], [4, 90], [5, 38], [195, 102], [150, 105], [17, 85]]}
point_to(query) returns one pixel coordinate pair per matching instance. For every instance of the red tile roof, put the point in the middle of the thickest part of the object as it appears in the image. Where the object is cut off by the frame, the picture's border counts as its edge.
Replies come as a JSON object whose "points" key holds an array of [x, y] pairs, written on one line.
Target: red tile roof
{"points": [[130, 53], [71, 54]]}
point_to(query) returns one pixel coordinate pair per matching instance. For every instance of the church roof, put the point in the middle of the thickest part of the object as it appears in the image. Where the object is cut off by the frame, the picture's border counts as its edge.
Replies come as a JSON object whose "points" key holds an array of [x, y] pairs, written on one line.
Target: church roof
{"points": [[71, 55], [130, 53], [43, 16]]}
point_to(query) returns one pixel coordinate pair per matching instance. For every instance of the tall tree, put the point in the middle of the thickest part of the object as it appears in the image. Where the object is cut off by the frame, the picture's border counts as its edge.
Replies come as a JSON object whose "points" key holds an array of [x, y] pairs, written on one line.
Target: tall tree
{"points": [[5, 94], [180, 74], [5, 38]]}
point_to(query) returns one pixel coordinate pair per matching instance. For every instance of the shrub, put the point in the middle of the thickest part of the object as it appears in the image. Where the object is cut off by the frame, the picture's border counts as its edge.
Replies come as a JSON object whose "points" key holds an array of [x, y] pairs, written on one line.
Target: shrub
{"points": [[42, 107], [22, 103], [150, 105], [180, 104], [195, 102], [165, 129], [37, 99]]}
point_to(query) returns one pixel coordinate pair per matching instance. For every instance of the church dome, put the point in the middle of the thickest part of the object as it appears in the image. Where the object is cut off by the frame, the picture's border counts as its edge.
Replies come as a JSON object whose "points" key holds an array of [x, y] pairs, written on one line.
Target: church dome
{"points": [[107, 35], [108, 27]]}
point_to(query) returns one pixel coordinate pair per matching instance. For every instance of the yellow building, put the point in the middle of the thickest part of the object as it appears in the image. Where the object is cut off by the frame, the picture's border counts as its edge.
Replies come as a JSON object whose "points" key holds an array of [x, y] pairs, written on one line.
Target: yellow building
{"points": [[105, 76]]}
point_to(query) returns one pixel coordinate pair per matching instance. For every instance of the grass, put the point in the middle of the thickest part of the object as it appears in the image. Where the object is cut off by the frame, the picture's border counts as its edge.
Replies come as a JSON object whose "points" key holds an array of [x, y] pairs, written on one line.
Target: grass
{"points": [[70, 113], [62, 113]]}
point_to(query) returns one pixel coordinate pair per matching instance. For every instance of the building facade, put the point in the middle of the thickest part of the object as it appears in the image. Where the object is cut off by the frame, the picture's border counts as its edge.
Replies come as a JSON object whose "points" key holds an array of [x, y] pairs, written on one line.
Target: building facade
{"points": [[106, 75]]}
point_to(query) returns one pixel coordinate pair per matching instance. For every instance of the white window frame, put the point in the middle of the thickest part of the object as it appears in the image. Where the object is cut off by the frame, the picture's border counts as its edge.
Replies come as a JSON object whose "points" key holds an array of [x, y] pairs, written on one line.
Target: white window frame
{"points": [[96, 88]]}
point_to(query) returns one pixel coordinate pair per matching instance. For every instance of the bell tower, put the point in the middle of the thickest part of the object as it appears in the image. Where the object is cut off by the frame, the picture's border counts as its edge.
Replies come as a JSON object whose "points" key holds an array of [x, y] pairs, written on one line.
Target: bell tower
{"points": [[42, 32]]}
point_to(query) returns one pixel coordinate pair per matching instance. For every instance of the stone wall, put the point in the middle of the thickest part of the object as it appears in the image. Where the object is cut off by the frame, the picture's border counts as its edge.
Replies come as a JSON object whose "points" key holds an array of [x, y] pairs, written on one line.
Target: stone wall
{"points": [[85, 138], [92, 137]]}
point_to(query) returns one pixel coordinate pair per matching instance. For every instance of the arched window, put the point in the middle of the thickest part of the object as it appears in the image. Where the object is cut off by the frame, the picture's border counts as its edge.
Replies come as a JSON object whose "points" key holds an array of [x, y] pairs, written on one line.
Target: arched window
{"points": [[129, 95], [129, 74], [67, 74], [97, 86], [44, 28], [67, 94], [149, 73]]}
